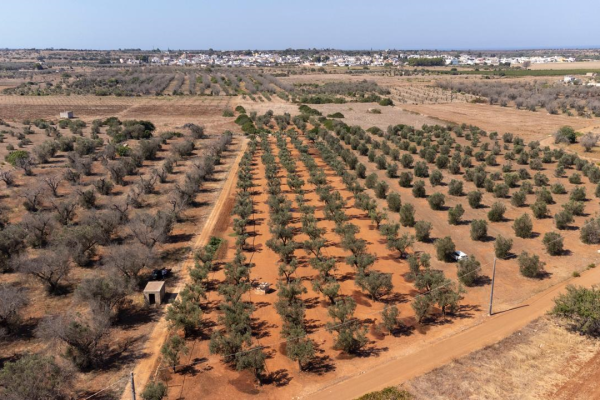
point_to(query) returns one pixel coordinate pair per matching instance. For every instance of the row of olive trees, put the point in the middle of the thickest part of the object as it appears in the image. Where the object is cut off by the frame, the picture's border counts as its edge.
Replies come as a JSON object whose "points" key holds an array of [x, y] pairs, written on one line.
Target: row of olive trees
{"points": [[574, 207], [290, 306], [437, 288], [532, 95]]}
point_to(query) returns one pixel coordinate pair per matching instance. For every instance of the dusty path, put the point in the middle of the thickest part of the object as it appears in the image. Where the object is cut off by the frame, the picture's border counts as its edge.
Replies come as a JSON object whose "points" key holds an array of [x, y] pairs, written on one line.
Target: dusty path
{"points": [[146, 367], [433, 355]]}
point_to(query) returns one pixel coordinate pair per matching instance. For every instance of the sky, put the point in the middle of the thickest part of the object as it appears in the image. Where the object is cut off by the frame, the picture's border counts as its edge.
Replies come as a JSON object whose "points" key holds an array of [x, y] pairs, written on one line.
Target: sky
{"points": [[281, 24]]}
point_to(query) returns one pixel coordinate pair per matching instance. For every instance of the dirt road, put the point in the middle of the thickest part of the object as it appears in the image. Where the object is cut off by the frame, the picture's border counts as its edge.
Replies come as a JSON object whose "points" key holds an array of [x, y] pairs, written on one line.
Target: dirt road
{"points": [[433, 355], [147, 366]]}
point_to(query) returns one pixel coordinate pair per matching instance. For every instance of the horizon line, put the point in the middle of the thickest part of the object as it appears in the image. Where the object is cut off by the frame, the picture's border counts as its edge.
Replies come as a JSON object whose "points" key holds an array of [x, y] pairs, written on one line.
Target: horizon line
{"points": [[595, 47]]}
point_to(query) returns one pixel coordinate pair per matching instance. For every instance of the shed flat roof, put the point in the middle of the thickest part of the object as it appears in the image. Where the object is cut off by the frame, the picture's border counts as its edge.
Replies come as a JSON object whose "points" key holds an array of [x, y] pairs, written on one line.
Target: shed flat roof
{"points": [[154, 286]]}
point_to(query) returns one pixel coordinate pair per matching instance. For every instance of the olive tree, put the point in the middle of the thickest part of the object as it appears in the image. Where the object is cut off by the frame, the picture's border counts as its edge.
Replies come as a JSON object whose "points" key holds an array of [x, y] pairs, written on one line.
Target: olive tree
{"points": [[468, 271], [530, 265], [554, 243], [478, 229], [523, 226], [445, 248], [502, 247]]}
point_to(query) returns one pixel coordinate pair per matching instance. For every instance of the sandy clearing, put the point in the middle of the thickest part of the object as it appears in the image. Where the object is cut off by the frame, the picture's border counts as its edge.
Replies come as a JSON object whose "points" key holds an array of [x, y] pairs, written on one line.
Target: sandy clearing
{"points": [[530, 125], [572, 65]]}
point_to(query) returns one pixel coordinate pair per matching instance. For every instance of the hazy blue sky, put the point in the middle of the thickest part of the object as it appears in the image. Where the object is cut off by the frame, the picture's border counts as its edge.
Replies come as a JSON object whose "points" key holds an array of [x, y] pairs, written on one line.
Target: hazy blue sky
{"points": [[280, 24]]}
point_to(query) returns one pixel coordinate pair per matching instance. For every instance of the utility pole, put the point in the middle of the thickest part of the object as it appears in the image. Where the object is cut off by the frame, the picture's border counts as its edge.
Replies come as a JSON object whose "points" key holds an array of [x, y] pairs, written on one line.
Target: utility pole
{"points": [[132, 387], [492, 291]]}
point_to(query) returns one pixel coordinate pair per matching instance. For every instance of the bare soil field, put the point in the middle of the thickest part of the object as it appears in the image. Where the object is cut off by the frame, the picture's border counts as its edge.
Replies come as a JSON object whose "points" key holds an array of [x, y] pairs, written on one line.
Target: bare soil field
{"points": [[529, 125], [166, 112], [354, 113]]}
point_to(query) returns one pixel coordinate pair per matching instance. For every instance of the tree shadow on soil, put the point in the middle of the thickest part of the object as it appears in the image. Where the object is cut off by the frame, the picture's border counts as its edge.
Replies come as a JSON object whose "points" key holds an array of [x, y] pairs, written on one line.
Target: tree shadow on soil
{"points": [[361, 299], [482, 280], [320, 364], [260, 328], [278, 378], [192, 370], [394, 298], [125, 352], [134, 315], [245, 383], [311, 302]]}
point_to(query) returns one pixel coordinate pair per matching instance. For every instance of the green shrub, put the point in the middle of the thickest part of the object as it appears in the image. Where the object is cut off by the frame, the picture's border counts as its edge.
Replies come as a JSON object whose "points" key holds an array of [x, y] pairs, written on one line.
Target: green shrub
{"points": [[579, 307], [243, 119], [389, 393], [575, 179], [423, 231], [501, 190], [15, 156], [154, 391], [545, 196]]}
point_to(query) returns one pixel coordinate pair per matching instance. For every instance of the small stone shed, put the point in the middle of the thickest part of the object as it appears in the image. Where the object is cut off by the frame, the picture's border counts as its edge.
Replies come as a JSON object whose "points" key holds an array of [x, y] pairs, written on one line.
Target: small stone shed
{"points": [[262, 288], [154, 293], [66, 114]]}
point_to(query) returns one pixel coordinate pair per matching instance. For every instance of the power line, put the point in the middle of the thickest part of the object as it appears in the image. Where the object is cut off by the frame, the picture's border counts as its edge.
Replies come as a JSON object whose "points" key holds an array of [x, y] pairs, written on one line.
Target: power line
{"points": [[106, 387]]}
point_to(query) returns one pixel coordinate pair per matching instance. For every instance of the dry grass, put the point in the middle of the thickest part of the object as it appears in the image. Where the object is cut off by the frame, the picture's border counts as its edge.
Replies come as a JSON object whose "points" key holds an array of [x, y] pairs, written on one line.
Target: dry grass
{"points": [[530, 364], [573, 65]]}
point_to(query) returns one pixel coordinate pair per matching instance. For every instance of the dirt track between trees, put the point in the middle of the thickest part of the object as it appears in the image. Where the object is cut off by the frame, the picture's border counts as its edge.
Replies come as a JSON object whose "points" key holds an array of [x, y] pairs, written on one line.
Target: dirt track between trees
{"points": [[147, 366], [433, 355]]}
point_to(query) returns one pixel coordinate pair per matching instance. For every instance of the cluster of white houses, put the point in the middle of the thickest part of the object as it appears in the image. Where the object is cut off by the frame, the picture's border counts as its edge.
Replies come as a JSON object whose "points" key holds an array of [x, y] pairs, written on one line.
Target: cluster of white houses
{"points": [[265, 59]]}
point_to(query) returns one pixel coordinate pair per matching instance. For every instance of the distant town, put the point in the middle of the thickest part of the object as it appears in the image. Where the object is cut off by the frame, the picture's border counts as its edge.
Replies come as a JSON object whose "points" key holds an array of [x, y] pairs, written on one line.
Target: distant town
{"points": [[267, 59]]}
